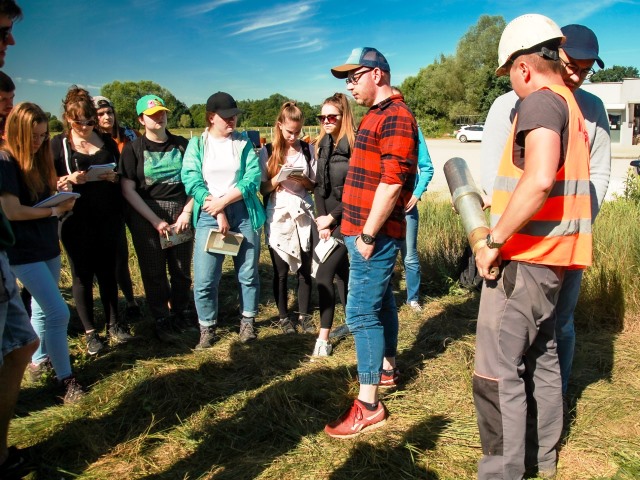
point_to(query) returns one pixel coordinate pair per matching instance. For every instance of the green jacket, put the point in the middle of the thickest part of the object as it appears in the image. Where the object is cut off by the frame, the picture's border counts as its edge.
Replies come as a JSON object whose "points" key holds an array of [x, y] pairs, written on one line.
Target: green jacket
{"points": [[247, 178]]}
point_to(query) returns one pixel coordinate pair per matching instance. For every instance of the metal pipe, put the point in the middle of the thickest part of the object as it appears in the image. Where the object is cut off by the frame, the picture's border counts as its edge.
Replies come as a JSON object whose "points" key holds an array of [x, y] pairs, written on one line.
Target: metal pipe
{"points": [[467, 200]]}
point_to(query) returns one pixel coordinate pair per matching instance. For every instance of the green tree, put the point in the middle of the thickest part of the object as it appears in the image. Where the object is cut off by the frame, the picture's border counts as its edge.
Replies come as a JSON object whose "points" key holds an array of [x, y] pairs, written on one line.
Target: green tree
{"points": [[185, 121], [460, 85], [55, 125], [262, 113], [124, 96], [614, 74], [198, 114]]}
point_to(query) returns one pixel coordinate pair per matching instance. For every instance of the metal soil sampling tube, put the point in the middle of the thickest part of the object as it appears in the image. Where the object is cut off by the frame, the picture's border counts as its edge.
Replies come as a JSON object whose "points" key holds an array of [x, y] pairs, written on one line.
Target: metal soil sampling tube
{"points": [[467, 200]]}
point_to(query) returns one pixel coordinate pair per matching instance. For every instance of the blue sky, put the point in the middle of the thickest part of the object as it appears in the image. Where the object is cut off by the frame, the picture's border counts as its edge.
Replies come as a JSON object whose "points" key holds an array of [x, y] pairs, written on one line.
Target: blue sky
{"points": [[252, 49]]}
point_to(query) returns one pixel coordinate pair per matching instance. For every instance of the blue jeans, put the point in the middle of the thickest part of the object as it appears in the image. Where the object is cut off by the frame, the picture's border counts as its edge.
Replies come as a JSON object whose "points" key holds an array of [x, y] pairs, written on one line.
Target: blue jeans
{"points": [[207, 267], [372, 316], [565, 332], [15, 329], [409, 251], [49, 313]]}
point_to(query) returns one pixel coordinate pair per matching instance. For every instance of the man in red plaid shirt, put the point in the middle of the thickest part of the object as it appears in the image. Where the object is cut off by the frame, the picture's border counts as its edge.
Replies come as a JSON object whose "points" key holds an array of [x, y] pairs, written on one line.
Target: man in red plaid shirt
{"points": [[379, 184]]}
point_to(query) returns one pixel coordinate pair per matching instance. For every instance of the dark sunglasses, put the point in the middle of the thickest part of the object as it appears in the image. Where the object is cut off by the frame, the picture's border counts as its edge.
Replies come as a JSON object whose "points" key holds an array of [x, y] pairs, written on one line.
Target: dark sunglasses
{"points": [[4, 34], [85, 123], [332, 118]]}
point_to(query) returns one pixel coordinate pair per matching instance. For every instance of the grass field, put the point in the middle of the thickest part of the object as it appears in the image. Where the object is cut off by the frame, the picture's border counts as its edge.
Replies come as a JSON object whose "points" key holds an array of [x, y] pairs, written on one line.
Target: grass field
{"points": [[164, 411]]}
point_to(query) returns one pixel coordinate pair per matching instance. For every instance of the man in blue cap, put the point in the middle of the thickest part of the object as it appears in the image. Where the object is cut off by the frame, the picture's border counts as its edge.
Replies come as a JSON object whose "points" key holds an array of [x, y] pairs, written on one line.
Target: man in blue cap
{"points": [[578, 55], [379, 184]]}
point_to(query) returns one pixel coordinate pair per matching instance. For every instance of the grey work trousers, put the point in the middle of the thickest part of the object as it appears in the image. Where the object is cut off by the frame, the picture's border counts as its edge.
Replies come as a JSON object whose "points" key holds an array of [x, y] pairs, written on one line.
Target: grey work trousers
{"points": [[516, 383]]}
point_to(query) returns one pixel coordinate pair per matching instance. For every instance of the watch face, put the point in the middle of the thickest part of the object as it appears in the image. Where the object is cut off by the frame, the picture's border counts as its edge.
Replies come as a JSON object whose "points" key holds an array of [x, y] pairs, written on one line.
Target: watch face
{"points": [[367, 239]]}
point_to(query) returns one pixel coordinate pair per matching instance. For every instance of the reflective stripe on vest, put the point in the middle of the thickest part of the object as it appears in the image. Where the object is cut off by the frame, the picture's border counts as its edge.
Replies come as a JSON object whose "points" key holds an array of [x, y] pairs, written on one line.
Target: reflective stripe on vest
{"points": [[560, 232]]}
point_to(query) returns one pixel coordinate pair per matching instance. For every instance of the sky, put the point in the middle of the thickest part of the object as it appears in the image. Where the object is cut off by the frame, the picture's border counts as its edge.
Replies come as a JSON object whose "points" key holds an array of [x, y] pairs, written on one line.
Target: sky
{"points": [[253, 49]]}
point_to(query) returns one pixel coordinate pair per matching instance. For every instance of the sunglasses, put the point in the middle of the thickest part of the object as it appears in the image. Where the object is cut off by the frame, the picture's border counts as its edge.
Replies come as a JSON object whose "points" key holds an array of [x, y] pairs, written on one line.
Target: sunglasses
{"points": [[331, 118], [85, 123], [4, 34]]}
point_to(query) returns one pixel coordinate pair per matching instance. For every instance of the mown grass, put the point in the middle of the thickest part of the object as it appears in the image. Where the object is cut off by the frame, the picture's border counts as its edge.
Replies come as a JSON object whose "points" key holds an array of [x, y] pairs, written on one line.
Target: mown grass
{"points": [[163, 411]]}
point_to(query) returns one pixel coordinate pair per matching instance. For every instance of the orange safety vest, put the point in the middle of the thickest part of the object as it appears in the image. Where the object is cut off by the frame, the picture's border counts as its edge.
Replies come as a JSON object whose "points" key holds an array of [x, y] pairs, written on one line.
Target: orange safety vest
{"points": [[558, 234]]}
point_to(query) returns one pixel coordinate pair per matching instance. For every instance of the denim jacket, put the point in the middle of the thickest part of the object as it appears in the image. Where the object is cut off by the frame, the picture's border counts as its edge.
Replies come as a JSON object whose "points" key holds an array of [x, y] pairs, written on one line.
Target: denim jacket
{"points": [[247, 177]]}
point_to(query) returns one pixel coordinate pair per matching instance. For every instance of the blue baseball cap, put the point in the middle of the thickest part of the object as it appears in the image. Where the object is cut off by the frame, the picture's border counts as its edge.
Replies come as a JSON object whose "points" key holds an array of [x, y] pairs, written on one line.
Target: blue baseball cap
{"points": [[581, 44], [361, 57]]}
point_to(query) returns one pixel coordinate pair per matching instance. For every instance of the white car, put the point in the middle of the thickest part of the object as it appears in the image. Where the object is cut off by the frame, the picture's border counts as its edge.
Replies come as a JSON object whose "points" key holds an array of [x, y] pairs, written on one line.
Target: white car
{"points": [[470, 133]]}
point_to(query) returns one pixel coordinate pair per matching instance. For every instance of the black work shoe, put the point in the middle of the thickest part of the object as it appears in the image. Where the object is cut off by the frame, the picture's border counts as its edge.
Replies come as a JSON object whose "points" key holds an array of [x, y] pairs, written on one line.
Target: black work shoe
{"points": [[165, 329], [306, 324], [94, 345], [287, 326], [15, 465], [207, 337], [73, 391], [247, 332], [339, 332], [117, 334], [133, 311], [186, 322]]}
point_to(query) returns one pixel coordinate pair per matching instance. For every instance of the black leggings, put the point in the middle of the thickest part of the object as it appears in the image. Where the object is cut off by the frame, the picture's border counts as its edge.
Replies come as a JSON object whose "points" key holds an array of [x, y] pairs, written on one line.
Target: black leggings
{"points": [[337, 264], [91, 250], [122, 265], [280, 289]]}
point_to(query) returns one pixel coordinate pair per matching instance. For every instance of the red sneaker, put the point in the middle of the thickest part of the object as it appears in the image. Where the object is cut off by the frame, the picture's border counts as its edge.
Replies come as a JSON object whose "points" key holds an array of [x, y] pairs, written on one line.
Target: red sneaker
{"points": [[389, 378], [357, 420]]}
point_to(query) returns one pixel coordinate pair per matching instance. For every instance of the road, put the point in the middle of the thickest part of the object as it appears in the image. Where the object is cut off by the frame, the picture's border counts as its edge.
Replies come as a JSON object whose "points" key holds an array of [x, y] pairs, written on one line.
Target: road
{"points": [[442, 150]]}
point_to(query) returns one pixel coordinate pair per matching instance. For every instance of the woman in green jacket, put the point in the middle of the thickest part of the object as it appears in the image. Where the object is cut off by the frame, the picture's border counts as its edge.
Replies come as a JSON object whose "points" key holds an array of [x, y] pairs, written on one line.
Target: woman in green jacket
{"points": [[222, 173]]}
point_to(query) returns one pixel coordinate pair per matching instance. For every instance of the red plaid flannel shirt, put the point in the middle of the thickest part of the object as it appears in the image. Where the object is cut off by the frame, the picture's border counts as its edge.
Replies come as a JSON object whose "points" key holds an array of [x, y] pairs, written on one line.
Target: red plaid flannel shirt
{"points": [[386, 151]]}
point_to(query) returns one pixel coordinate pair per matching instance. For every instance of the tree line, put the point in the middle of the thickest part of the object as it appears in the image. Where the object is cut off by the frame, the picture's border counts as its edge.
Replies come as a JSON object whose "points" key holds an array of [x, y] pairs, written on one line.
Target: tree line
{"points": [[454, 89]]}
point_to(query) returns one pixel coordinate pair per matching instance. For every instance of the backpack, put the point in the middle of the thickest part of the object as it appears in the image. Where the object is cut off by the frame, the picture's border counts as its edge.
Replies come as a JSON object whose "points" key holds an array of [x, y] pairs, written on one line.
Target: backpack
{"points": [[469, 277]]}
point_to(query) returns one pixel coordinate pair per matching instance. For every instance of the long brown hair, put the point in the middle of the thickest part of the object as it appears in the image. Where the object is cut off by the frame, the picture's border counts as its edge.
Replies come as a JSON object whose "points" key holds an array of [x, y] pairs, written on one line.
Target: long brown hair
{"points": [[37, 168], [347, 127], [78, 103], [288, 112]]}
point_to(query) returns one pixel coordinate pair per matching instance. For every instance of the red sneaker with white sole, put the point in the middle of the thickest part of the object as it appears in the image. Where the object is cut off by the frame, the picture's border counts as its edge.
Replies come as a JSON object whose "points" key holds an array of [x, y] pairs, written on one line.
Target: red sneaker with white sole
{"points": [[357, 420], [389, 378]]}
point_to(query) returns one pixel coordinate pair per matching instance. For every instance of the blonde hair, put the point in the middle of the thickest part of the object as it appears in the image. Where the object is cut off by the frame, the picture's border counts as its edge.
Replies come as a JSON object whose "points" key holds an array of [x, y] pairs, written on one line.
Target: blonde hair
{"points": [[347, 125], [37, 168], [288, 112]]}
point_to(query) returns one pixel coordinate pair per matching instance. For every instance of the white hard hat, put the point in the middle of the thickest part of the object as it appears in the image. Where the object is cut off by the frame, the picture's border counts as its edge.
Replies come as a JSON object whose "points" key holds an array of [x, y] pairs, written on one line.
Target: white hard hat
{"points": [[523, 33]]}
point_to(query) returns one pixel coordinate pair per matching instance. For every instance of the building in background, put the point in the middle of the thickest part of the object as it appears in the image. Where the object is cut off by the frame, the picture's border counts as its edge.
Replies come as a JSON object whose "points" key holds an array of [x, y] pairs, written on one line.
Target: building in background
{"points": [[622, 102]]}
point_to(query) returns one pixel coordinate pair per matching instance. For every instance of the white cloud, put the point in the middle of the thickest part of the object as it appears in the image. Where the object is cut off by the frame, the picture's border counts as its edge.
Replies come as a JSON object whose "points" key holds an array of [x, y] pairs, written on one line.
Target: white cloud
{"points": [[55, 83], [206, 7], [310, 45], [278, 15]]}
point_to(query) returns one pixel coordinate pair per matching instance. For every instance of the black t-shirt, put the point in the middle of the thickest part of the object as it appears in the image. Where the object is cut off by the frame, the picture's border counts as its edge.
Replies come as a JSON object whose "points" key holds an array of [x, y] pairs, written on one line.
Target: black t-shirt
{"points": [[155, 167], [36, 240], [541, 109], [97, 199]]}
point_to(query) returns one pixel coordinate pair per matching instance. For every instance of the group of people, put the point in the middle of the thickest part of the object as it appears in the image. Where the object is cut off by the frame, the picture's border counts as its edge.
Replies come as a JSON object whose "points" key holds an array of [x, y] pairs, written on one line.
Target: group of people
{"points": [[547, 169]]}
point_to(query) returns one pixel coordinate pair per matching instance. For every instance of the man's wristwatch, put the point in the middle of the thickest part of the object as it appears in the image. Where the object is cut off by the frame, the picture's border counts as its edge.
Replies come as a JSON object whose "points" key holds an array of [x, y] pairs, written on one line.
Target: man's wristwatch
{"points": [[367, 239], [491, 243]]}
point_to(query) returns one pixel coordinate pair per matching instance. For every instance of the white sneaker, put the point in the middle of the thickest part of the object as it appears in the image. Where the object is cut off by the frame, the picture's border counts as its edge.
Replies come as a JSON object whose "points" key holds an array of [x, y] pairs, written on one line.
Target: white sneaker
{"points": [[415, 306], [322, 348]]}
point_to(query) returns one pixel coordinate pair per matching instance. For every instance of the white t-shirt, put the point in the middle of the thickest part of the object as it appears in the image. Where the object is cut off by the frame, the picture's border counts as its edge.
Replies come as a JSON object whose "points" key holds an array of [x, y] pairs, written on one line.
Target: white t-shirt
{"points": [[220, 166]]}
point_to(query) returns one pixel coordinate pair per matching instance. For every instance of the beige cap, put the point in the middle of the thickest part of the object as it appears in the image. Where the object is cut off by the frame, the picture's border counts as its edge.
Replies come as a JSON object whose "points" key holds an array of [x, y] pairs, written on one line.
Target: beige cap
{"points": [[524, 33]]}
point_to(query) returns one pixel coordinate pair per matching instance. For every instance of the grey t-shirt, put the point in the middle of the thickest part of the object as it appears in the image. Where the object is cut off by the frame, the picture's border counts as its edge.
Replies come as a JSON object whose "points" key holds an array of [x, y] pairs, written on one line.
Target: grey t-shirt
{"points": [[541, 109]]}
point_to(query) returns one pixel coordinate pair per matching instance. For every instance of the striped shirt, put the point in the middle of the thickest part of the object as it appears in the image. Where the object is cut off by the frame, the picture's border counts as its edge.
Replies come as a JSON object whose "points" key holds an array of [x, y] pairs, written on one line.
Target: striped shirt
{"points": [[385, 151]]}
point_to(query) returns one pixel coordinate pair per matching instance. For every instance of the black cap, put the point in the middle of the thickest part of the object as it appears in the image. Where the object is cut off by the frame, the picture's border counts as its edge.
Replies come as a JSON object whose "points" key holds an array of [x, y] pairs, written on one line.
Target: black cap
{"points": [[223, 104], [581, 44]]}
